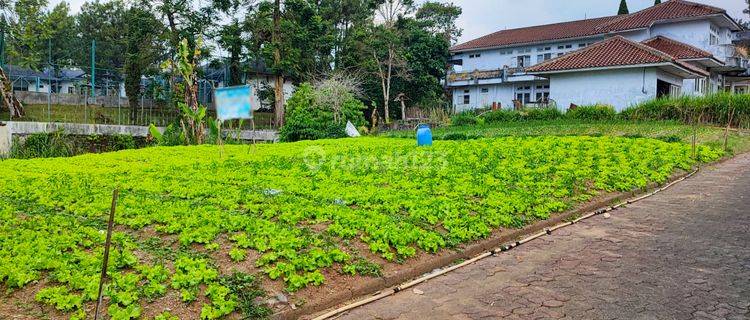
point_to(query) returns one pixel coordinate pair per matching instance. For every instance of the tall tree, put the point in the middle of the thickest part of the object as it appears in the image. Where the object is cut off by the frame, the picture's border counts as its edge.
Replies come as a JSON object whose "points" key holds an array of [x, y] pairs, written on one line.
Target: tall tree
{"points": [[441, 19], [184, 19], [387, 48], [657, 2], [61, 26], [230, 36], [103, 22], [29, 34], [278, 75], [623, 8], [144, 49]]}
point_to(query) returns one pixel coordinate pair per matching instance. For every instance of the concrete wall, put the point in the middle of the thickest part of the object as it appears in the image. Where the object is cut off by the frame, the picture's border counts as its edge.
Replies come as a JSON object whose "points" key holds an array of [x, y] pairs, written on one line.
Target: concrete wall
{"points": [[620, 88], [10, 129], [6, 139]]}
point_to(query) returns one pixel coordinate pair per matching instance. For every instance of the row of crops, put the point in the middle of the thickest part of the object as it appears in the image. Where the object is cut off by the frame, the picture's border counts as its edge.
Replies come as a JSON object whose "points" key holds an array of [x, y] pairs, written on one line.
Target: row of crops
{"points": [[298, 208]]}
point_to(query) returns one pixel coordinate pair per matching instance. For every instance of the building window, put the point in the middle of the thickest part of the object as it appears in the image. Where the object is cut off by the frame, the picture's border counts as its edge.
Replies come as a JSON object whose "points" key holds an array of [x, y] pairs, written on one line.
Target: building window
{"points": [[523, 61], [569, 46], [523, 94], [71, 90], [485, 90], [467, 97], [714, 38], [560, 54], [675, 91], [542, 97], [543, 57], [20, 86], [581, 45], [700, 85]]}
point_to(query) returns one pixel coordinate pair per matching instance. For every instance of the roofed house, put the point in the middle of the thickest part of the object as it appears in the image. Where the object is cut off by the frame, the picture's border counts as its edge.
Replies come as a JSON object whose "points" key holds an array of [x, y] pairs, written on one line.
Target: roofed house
{"points": [[677, 47]]}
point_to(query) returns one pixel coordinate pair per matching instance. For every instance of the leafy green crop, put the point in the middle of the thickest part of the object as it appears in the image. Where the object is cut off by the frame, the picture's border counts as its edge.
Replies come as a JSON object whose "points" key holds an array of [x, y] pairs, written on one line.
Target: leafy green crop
{"points": [[296, 207]]}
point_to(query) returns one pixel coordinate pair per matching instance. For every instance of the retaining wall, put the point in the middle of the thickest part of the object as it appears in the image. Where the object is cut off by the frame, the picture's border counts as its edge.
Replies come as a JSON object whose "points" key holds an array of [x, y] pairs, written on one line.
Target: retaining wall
{"points": [[12, 128]]}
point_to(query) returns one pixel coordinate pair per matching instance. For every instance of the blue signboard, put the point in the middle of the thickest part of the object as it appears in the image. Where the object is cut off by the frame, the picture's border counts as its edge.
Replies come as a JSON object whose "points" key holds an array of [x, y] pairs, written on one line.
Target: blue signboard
{"points": [[233, 103]]}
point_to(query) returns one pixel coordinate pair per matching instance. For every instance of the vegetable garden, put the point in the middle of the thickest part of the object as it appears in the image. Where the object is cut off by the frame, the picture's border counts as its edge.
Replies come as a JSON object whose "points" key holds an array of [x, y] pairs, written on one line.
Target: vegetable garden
{"points": [[297, 212]]}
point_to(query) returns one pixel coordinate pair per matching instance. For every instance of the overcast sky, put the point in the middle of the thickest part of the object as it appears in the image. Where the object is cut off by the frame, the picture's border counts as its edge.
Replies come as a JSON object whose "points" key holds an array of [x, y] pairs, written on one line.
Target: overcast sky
{"points": [[481, 17]]}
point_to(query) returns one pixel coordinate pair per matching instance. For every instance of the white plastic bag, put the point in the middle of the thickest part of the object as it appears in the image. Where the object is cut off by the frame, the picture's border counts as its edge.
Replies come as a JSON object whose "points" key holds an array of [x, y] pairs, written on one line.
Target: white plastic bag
{"points": [[351, 130]]}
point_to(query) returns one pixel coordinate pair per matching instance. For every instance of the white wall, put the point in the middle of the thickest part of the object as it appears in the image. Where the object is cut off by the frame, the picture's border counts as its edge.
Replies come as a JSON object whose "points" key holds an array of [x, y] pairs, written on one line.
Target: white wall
{"points": [[620, 88], [258, 81], [503, 94], [493, 59]]}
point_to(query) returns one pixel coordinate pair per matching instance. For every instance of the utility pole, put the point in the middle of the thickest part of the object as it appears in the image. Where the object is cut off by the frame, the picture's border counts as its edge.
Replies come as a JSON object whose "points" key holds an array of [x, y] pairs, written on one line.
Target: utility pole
{"points": [[93, 68], [50, 70]]}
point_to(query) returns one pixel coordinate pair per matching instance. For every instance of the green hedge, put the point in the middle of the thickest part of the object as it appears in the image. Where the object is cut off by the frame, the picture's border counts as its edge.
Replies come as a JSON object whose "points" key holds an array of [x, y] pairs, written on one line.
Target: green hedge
{"points": [[710, 109]]}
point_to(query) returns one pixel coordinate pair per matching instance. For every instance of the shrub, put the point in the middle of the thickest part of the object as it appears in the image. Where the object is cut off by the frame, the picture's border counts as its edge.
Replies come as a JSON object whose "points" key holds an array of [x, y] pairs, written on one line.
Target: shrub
{"points": [[596, 112], [465, 118], [501, 116], [306, 119], [43, 145], [715, 108], [542, 114], [455, 136], [59, 144]]}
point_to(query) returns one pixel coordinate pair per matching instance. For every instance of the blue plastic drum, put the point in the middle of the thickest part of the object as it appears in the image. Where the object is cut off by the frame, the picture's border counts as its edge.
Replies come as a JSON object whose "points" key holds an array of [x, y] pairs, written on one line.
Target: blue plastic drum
{"points": [[424, 135]]}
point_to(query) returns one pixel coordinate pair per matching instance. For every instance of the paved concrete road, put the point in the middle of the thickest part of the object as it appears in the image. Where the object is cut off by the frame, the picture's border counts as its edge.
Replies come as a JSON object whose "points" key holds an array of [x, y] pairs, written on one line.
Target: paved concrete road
{"points": [[682, 254]]}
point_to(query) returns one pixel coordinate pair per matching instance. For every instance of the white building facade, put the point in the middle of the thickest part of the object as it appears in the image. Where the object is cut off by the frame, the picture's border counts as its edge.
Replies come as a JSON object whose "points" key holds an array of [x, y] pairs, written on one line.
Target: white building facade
{"points": [[494, 70]]}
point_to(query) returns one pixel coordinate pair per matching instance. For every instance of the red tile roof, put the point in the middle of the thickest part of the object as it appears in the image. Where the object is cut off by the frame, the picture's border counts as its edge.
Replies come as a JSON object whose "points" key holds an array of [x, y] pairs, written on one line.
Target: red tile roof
{"points": [[676, 49], [557, 31], [672, 9], [613, 52]]}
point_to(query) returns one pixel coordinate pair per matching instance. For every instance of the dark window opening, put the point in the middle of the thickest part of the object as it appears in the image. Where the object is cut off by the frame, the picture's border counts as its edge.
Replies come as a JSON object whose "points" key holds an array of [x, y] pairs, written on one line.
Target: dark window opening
{"points": [[662, 88]]}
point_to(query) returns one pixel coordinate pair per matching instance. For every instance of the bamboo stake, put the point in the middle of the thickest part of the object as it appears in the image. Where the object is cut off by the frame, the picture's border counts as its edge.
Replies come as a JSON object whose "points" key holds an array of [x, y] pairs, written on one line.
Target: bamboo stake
{"points": [[107, 244]]}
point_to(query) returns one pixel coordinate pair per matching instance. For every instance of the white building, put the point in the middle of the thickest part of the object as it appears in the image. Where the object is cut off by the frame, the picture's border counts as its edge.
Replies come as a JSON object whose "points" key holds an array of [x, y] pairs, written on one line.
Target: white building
{"points": [[677, 47]]}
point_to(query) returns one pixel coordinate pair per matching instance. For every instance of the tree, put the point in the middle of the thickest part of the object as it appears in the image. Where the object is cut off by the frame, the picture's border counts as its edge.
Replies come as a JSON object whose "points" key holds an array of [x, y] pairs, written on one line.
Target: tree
{"points": [[441, 19], [61, 26], [185, 20], [29, 34], [278, 76], [230, 36], [387, 47], [657, 2], [103, 22], [144, 49], [623, 8]]}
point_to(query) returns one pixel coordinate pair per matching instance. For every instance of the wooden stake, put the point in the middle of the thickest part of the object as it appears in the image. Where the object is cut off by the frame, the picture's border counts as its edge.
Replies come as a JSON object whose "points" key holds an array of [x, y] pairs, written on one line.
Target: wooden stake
{"points": [[107, 243]]}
